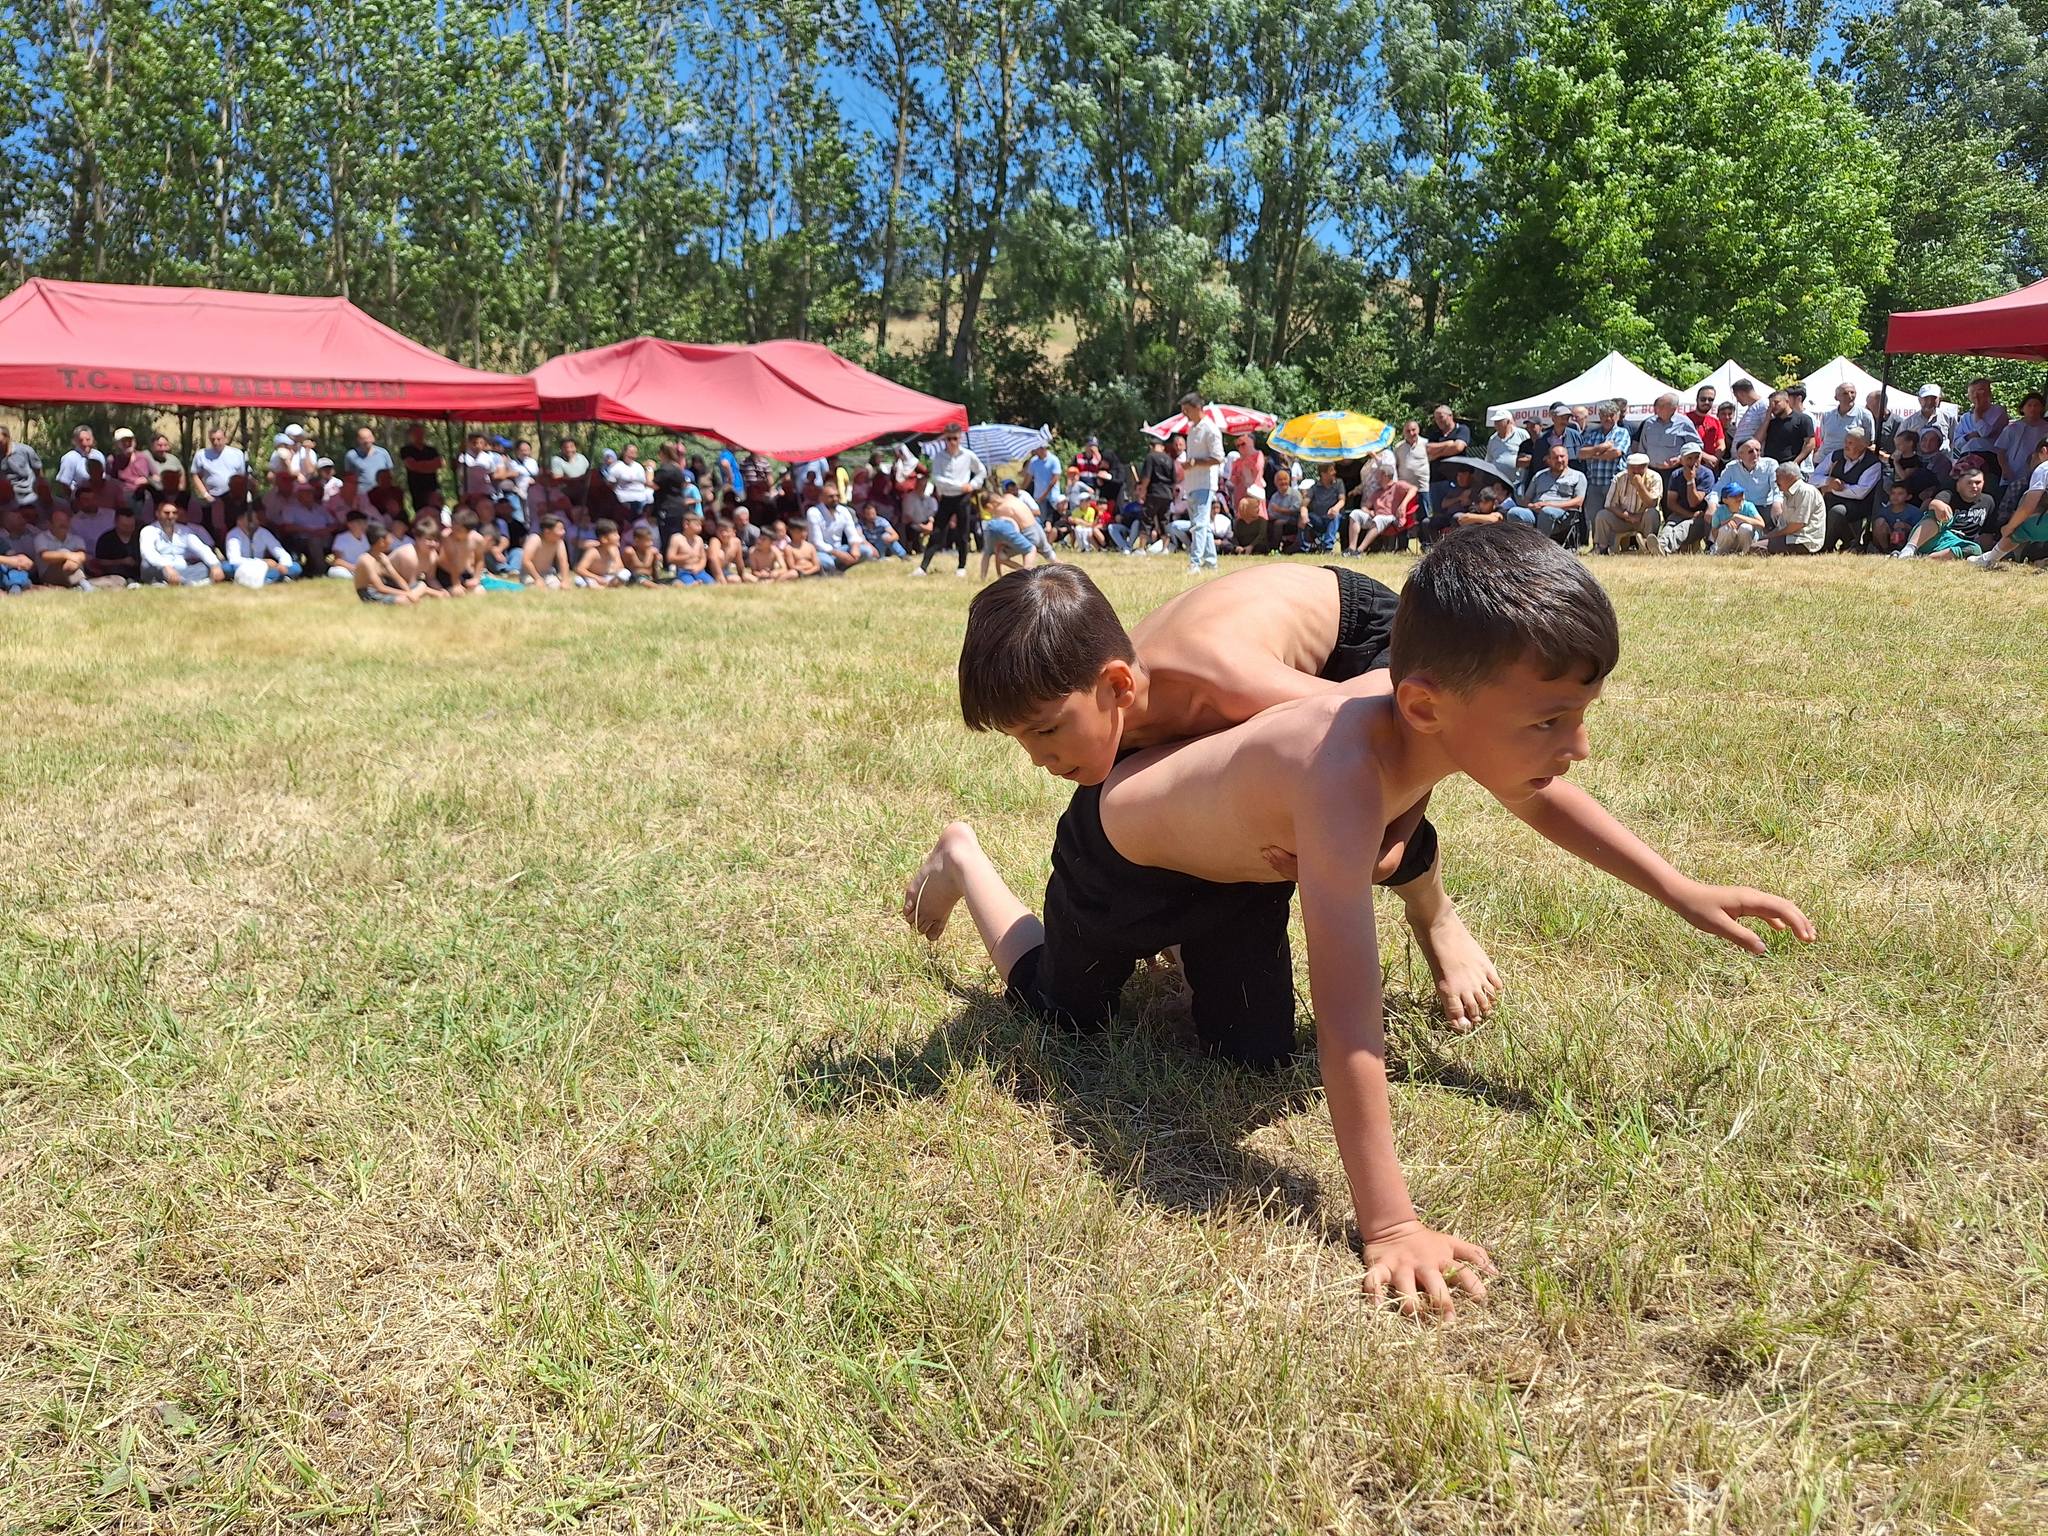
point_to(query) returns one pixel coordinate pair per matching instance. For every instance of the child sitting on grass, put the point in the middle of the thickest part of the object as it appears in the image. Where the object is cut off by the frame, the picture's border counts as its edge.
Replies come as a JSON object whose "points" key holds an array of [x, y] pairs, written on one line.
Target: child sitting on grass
{"points": [[689, 555], [769, 559], [643, 560], [544, 559], [1500, 645], [376, 581], [603, 564]]}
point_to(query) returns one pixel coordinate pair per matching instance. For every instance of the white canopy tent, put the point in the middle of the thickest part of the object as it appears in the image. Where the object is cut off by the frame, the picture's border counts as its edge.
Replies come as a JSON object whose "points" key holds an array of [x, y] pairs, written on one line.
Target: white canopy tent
{"points": [[1820, 387], [1613, 377], [1723, 379]]}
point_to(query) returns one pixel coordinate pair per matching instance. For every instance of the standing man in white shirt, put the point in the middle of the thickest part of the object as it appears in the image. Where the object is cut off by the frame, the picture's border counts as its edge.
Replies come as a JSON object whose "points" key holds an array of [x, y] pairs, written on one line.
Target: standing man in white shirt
{"points": [[215, 466], [72, 471], [956, 474], [177, 556], [571, 471], [1205, 463], [479, 470]]}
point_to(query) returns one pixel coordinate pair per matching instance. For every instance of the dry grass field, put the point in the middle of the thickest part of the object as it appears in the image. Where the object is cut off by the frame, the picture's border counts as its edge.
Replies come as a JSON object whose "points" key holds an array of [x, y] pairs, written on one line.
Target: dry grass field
{"points": [[461, 1070]]}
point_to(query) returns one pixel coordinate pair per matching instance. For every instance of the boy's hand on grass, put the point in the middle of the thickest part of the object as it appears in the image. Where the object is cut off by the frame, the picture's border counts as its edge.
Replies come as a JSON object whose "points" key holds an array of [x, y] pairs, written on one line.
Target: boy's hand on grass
{"points": [[1715, 909], [1419, 1269]]}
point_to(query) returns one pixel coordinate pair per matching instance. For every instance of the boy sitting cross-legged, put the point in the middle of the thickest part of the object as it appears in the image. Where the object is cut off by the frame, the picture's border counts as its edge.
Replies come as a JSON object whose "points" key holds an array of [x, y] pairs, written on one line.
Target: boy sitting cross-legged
{"points": [[1500, 645]]}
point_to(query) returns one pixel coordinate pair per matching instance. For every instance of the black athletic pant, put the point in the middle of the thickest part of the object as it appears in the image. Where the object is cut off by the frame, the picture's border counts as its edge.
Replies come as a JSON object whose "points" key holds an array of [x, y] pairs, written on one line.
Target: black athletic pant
{"points": [[949, 525], [1848, 522]]}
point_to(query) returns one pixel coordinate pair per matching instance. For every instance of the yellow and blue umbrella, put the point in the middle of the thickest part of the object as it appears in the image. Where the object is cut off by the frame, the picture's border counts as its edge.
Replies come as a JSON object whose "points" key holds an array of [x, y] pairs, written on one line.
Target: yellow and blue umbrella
{"points": [[1323, 437]]}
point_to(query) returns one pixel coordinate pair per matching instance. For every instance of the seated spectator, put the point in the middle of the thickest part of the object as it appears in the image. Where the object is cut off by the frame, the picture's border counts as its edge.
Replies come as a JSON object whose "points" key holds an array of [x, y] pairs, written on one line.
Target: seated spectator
{"points": [[688, 554], [1890, 525], [1689, 501], [1633, 509], [1737, 522], [20, 467], [544, 559], [17, 550], [1848, 483], [728, 558], [254, 548], [1460, 495], [1387, 513], [60, 554], [2027, 522], [385, 499], [915, 509], [176, 555], [350, 545], [1757, 474], [304, 523], [1954, 526], [1283, 511], [875, 530], [2016, 444], [835, 534], [1558, 491], [1937, 461], [803, 554], [1251, 528], [494, 546], [769, 560], [644, 565], [376, 579], [1802, 517], [117, 553], [1934, 412], [459, 562], [1325, 511], [1496, 504], [74, 468], [1910, 470], [603, 563]]}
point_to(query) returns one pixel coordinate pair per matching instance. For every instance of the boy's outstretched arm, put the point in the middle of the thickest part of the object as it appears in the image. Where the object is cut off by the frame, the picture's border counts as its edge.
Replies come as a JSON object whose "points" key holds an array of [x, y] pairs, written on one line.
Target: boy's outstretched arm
{"points": [[1581, 825], [1340, 799]]}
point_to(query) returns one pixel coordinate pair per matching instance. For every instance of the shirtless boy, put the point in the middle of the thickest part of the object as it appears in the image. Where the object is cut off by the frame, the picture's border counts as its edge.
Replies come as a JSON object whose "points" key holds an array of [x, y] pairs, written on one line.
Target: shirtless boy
{"points": [[602, 564], [643, 559], [544, 560], [1501, 643], [769, 558], [728, 556], [1219, 653], [459, 567], [688, 554], [376, 581]]}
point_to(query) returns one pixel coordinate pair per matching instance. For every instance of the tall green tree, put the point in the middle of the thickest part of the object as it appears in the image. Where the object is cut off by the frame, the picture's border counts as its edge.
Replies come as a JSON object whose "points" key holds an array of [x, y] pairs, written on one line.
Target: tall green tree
{"points": [[1670, 185]]}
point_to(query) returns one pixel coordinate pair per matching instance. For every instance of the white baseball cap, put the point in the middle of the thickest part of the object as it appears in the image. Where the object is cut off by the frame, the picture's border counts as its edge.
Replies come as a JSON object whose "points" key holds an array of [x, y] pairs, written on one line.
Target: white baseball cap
{"points": [[1927, 390], [294, 430]]}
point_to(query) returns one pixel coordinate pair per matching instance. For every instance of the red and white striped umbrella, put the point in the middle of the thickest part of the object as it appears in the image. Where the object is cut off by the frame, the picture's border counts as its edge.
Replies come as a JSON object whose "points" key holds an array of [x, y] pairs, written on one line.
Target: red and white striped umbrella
{"points": [[1233, 419]]}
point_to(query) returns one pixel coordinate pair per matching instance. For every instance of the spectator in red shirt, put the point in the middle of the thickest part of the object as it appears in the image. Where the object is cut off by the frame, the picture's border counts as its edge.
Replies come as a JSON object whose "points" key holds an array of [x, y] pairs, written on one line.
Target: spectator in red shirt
{"points": [[1713, 436]]}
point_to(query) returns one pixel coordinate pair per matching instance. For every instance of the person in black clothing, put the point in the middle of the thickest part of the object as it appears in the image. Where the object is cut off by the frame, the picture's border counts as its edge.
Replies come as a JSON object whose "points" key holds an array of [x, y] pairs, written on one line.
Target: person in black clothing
{"points": [[669, 480], [119, 550], [422, 467], [1788, 430], [1155, 490]]}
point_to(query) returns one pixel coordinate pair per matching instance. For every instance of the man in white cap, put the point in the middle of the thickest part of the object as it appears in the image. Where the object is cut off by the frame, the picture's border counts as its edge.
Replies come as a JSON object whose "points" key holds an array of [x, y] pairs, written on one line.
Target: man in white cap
{"points": [[130, 469], [1503, 449], [1933, 413]]}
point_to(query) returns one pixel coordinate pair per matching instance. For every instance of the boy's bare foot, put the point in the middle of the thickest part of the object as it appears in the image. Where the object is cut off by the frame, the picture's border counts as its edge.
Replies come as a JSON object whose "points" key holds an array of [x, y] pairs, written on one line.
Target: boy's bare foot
{"points": [[933, 892], [1467, 986]]}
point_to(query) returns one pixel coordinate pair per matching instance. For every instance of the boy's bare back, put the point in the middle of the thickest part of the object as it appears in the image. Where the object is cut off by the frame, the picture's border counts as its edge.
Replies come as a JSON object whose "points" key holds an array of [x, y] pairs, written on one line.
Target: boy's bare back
{"points": [[1217, 806], [1221, 652]]}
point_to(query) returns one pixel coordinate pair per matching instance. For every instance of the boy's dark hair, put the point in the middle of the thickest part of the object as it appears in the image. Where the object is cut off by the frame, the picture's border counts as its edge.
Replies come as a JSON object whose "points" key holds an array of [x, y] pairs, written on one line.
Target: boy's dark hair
{"points": [[374, 530], [1033, 637], [552, 520], [606, 527], [468, 522], [1497, 594], [354, 514]]}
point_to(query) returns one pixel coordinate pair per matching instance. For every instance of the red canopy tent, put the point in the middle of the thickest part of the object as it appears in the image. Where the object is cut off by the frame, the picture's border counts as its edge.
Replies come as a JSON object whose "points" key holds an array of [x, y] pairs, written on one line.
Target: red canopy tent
{"points": [[2013, 325], [106, 343], [790, 400]]}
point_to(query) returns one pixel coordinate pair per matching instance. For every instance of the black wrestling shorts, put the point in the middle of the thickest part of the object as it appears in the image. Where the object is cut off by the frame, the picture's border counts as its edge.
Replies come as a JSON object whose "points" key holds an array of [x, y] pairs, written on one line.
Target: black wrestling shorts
{"points": [[1103, 914], [1365, 626]]}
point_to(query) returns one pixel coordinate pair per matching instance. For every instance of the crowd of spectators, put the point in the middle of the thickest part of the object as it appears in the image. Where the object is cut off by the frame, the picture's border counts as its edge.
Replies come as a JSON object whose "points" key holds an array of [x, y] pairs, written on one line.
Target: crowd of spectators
{"points": [[1758, 474]]}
